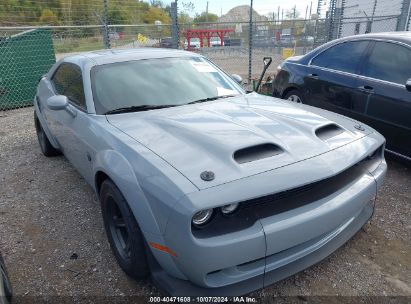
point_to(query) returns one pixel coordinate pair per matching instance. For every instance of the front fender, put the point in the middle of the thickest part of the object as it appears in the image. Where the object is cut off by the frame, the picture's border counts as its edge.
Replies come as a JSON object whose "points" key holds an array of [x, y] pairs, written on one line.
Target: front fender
{"points": [[117, 167], [152, 224]]}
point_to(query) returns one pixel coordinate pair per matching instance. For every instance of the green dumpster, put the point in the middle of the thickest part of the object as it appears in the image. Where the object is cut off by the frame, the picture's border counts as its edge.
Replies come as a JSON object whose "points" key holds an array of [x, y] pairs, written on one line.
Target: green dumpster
{"points": [[24, 58]]}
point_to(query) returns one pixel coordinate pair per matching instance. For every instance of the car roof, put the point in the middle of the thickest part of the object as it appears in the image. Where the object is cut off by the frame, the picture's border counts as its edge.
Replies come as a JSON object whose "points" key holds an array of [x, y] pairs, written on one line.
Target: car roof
{"points": [[403, 37], [121, 55], [396, 36]]}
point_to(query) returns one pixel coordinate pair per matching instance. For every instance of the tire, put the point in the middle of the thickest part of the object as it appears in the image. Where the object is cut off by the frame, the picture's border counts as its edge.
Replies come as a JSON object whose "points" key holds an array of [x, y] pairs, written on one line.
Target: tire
{"points": [[294, 96], [5, 285], [123, 233], [46, 148]]}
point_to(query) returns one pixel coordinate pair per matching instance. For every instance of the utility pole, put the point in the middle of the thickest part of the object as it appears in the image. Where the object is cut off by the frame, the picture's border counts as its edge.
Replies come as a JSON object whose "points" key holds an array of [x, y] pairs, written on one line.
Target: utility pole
{"points": [[207, 12], [294, 14], [278, 14], [250, 44], [311, 7]]}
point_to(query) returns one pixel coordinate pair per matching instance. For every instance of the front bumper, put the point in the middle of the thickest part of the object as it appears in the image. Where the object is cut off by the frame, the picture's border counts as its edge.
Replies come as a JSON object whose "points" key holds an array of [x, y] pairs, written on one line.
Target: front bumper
{"points": [[303, 257], [273, 247]]}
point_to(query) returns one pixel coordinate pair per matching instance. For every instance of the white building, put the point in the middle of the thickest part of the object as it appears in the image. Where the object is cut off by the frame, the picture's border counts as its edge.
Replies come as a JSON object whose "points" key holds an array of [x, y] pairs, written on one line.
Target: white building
{"points": [[362, 16]]}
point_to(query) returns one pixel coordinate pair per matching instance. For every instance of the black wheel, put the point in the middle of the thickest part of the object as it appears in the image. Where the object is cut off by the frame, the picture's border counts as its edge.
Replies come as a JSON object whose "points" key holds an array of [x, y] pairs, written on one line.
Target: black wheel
{"points": [[123, 232], [294, 96], [45, 145], [5, 285]]}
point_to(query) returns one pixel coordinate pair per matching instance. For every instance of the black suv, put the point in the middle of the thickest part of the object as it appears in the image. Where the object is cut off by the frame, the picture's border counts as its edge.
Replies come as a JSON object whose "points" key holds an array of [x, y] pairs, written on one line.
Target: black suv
{"points": [[366, 77]]}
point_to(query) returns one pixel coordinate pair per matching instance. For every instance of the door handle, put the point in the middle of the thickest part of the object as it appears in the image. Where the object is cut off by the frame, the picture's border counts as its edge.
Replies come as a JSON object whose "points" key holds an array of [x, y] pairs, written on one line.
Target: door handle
{"points": [[312, 76], [366, 89]]}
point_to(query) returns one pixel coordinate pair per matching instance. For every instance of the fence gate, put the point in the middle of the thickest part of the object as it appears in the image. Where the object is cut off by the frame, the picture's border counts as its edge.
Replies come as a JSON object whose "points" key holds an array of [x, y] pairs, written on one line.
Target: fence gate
{"points": [[24, 58]]}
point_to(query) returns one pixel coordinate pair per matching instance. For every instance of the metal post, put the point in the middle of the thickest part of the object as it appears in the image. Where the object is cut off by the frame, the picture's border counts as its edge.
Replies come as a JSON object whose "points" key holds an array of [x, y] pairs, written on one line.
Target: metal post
{"points": [[319, 4], [106, 37], [174, 25], [250, 44], [340, 19], [407, 23], [373, 13]]}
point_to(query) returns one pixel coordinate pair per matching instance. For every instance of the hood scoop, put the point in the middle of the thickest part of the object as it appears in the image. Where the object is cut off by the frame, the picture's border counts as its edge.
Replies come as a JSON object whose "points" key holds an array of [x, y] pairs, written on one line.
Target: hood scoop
{"points": [[328, 131], [254, 153]]}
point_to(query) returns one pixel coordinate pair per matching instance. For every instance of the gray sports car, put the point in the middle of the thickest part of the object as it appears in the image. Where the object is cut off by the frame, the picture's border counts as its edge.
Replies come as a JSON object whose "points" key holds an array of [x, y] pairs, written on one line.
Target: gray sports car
{"points": [[211, 190]]}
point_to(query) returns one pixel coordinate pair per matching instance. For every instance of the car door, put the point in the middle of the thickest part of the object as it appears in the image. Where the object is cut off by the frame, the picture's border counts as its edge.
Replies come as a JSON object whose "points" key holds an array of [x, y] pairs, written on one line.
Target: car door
{"points": [[388, 109], [71, 126], [331, 82]]}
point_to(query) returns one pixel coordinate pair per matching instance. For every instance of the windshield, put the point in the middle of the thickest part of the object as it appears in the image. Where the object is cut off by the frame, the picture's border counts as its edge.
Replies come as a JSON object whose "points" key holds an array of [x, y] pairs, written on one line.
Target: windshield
{"points": [[158, 82]]}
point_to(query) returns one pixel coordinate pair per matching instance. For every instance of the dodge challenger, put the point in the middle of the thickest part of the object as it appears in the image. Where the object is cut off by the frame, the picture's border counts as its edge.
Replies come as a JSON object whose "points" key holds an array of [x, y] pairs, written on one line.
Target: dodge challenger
{"points": [[209, 189]]}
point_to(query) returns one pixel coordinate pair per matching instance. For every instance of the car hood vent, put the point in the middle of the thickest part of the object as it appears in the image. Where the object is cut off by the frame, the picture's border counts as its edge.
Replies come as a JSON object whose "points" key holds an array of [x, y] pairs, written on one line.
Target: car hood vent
{"points": [[328, 131], [254, 153]]}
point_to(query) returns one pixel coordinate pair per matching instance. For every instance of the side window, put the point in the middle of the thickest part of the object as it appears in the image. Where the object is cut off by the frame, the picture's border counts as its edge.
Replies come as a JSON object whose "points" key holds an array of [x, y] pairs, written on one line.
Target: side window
{"points": [[390, 62], [343, 57], [67, 80]]}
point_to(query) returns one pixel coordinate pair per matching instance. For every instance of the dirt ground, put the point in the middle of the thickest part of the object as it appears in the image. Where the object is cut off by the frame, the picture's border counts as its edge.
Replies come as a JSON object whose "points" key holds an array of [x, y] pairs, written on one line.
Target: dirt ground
{"points": [[55, 248]]}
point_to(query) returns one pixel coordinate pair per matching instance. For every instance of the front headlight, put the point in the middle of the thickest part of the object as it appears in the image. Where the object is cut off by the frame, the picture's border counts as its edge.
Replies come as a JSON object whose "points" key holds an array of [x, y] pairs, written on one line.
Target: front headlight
{"points": [[202, 217], [229, 209]]}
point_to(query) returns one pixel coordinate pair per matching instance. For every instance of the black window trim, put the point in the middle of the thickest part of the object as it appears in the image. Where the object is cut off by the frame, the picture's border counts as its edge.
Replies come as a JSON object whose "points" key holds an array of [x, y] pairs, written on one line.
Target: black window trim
{"points": [[70, 101]]}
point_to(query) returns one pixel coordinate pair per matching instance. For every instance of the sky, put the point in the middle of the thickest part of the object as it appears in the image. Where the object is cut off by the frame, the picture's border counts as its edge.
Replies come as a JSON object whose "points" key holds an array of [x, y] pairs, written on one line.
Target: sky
{"points": [[263, 7]]}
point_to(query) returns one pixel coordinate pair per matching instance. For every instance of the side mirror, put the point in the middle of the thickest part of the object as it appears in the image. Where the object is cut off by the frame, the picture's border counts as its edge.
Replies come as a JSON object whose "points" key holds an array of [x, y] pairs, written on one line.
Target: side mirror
{"points": [[237, 78], [408, 85], [57, 102]]}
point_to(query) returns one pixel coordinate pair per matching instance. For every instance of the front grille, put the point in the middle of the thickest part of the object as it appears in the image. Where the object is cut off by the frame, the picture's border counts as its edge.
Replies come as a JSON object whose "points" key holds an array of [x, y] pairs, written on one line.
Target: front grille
{"points": [[253, 209], [278, 196]]}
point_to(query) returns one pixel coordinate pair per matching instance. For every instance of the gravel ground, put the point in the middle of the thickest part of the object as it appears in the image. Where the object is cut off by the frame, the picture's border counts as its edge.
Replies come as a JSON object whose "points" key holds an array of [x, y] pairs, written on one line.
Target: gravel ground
{"points": [[53, 241]]}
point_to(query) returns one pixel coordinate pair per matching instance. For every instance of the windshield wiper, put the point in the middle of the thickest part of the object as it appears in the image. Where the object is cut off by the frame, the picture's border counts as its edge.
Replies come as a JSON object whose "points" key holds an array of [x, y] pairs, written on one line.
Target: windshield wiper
{"points": [[211, 98], [137, 108]]}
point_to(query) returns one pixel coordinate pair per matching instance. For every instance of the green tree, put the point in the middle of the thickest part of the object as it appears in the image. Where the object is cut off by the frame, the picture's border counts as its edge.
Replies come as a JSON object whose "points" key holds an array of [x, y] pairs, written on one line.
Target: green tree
{"points": [[117, 16], [154, 13], [291, 14], [48, 17], [184, 18], [204, 17]]}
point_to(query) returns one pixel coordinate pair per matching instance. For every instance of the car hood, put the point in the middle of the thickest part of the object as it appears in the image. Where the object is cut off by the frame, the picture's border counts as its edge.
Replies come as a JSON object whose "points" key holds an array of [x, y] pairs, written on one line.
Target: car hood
{"points": [[237, 137]]}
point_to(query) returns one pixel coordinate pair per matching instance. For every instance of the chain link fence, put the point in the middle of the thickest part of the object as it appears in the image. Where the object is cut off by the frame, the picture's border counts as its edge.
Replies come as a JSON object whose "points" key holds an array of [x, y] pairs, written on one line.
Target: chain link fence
{"points": [[26, 53]]}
